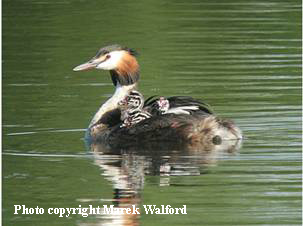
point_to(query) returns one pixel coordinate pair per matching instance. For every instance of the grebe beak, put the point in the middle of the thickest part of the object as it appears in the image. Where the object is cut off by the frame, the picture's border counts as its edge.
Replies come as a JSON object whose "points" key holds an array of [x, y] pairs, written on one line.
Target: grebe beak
{"points": [[86, 66], [93, 63]]}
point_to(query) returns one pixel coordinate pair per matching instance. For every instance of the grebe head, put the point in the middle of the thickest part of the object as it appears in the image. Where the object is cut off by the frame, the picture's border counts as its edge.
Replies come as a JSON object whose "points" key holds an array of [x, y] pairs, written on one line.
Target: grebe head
{"points": [[120, 61], [163, 105]]}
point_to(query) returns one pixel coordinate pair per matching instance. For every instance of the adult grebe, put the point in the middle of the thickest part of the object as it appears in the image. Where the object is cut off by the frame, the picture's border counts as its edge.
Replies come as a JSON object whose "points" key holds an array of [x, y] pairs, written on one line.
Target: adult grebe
{"points": [[185, 120]]}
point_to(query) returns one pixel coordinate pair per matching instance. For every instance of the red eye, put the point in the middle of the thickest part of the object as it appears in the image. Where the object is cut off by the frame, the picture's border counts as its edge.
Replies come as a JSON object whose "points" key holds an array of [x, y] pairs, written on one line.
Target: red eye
{"points": [[107, 56]]}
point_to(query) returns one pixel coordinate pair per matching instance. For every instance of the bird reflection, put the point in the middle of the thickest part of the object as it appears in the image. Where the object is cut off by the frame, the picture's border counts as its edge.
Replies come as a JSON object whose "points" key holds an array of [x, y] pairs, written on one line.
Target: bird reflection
{"points": [[126, 169]]}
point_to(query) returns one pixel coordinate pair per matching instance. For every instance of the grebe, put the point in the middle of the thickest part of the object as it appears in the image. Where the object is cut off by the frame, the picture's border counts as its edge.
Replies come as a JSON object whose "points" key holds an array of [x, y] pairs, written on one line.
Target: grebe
{"points": [[163, 105], [183, 118], [131, 108]]}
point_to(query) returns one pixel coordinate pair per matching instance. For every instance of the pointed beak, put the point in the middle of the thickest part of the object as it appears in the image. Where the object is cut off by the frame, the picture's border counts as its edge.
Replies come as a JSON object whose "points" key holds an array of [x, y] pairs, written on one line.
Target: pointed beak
{"points": [[91, 64], [86, 66]]}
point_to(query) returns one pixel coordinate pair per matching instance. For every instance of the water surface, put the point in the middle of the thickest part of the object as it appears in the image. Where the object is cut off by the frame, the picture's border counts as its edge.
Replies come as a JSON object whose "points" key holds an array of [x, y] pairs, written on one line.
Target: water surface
{"points": [[241, 57]]}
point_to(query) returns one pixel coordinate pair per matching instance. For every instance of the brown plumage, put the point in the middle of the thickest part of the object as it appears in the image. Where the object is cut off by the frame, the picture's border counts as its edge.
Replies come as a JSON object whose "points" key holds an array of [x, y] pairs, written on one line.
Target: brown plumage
{"points": [[128, 64]]}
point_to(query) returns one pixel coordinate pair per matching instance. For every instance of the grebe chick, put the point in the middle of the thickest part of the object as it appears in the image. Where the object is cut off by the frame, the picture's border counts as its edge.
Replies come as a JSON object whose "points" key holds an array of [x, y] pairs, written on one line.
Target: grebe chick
{"points": [[163, 104], [132, 109]]}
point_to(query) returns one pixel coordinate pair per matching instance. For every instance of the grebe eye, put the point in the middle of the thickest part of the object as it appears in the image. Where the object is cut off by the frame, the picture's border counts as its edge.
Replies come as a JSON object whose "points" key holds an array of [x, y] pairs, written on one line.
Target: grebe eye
{"points": [[107, 56]]}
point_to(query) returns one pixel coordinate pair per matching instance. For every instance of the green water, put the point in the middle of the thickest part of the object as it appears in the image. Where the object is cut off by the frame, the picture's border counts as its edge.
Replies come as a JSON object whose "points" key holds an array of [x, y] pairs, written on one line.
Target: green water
{"points": [[241, 57]]}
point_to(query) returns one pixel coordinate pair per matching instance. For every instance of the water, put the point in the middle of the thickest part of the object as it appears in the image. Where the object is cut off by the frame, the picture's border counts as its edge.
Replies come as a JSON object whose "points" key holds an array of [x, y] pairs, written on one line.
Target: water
{"points": [[241, 57]]}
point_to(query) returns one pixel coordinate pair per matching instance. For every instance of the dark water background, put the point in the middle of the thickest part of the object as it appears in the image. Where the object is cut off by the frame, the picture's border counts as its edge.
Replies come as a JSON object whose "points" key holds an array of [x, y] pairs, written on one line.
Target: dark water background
{"points": [[242, 57]]}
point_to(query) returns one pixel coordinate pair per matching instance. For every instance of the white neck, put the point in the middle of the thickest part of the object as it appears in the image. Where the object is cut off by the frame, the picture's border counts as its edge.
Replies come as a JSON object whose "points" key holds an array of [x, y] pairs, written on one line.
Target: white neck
{"points": [[112, 103]]}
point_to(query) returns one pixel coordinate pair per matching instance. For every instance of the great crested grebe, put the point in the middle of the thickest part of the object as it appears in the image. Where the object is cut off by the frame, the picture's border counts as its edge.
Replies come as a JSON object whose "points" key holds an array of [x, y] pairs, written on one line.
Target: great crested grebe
{"points": [[176, 118]]}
